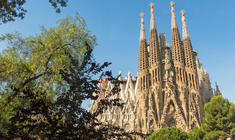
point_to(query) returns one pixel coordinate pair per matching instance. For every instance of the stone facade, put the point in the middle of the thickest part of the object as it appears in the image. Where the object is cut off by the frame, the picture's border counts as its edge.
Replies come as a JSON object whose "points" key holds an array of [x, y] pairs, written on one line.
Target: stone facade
{"points": [[124, 117], [171, 86]]}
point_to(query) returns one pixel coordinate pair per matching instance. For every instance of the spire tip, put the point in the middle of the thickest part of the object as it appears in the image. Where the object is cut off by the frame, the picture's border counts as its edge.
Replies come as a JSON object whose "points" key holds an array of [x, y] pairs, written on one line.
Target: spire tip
{"points": [[172, 4], [182, 12], [142, 15]]}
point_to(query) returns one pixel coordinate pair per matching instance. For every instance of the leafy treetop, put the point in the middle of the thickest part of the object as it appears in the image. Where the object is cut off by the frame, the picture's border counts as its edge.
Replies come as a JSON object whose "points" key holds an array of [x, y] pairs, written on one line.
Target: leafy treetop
{"points": [[12, 9]]}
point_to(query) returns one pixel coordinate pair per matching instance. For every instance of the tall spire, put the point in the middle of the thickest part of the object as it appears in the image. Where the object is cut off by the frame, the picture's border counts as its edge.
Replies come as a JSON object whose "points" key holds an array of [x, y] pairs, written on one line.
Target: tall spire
{"points": [[142, 30], [185, 29], [154, 50], [192, 78], [188, 50], [153, 41], [152, 21], [143, 79], [178, 60], [173, 18], [143, 52], [177, 51]]}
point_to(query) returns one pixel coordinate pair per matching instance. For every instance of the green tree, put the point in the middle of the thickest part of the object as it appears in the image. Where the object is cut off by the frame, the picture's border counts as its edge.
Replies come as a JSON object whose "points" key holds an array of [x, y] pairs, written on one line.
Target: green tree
{"points": [[45, 78], [196, 134], [219, 116], [219, 121], [169, 133], [12, 9]]}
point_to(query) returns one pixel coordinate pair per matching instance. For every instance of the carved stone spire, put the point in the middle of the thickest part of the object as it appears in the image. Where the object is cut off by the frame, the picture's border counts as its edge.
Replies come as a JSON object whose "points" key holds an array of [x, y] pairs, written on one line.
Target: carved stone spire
{"points": [[195, 102], [152, 21], [154, 50], [143, 53], [188, 50], [177, 51], [190, 62], [155, 94], [185, 29], [173, 18], [142, 30]]}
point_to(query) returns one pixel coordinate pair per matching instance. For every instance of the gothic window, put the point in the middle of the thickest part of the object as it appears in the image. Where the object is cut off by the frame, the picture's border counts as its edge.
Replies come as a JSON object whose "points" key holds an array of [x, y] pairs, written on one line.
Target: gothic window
{"points": [[144, 82], [155, 74], [141, 83], [187, 79], [181, 74], [190, 79], [158, 74], [193, 81]]}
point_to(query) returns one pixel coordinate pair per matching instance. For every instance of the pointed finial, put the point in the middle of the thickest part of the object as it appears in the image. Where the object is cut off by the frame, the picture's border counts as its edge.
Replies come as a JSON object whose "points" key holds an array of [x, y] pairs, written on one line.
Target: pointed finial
{"points": [[185, 29], [173, 18], [172, 7], [182, 12], [142, 30], [152, 21], [172, 4], [142, 15], [152, 5]]}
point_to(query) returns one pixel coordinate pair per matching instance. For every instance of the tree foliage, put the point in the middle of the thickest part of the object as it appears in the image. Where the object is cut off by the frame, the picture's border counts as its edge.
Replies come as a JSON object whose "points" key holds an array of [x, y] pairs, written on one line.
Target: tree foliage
{"points": [[12, 9], [44, 80], [219, 117], [169, 133], [219, 121]]}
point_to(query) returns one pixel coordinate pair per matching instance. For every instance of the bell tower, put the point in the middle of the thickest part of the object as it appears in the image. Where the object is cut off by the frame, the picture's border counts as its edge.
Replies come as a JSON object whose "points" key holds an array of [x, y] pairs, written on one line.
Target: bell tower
{"points": [[178, 62], [195, 101], [143, 80], [155, 93]]}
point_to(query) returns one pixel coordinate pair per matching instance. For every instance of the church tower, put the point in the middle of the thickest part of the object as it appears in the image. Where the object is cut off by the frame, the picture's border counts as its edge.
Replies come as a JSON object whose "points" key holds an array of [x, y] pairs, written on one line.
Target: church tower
{"points": [[177, 50], [155, 94], [143, 80], [195, 102], [178, 62]]}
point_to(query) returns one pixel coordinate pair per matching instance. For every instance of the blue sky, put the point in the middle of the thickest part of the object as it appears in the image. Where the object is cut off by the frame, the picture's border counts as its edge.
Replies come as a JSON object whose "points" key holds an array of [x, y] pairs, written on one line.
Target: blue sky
{"points": [[116, 23]]}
